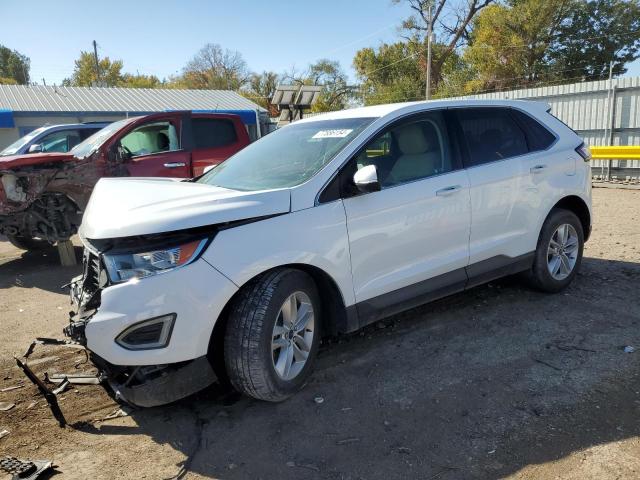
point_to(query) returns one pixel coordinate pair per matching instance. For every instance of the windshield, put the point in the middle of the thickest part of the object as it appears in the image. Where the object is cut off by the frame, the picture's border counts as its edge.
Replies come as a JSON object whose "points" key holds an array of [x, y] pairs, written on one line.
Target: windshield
{"points": [[95, 141], [286, 157], [21, 142]]}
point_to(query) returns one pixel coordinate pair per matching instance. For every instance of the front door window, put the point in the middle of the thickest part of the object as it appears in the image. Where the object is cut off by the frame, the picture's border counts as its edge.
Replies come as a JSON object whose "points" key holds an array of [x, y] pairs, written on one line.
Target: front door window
{"points": [[151, 138]]}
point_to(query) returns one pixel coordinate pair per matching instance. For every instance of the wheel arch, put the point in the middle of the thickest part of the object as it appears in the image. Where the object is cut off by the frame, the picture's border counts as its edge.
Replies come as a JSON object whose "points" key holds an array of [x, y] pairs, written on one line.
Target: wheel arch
{"points": [[337, 317], [579, 207]]}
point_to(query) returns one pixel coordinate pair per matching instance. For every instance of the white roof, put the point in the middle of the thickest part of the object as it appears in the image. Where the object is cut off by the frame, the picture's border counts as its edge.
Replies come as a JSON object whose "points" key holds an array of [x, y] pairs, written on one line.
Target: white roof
{"points": [[376, 111]]}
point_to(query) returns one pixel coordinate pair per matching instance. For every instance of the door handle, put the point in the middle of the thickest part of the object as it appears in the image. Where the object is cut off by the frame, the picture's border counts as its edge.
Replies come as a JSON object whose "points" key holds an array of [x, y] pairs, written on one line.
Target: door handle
{"points": [[175, 164], [537, 168], [443, 192]]}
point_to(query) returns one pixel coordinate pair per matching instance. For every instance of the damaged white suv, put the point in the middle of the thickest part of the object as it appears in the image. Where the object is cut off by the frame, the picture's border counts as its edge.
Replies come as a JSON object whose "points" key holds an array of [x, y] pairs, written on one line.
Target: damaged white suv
{"points": [[322, 227]]}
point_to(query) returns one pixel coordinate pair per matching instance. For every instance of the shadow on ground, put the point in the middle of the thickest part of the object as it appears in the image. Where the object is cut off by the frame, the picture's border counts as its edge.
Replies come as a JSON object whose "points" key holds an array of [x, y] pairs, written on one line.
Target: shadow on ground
{"points": [[38, 269], [478, 385]]}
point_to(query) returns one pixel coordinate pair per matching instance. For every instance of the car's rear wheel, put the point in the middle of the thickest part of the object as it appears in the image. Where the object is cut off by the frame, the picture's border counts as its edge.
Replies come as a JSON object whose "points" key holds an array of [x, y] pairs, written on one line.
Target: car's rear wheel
{"points": [[272, 335], [28, 243], [559, 251]]}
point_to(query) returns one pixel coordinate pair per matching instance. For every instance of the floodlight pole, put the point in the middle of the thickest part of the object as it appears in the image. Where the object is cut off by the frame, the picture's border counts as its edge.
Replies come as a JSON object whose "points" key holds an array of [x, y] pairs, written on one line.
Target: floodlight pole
{"points": [[429, 35]]}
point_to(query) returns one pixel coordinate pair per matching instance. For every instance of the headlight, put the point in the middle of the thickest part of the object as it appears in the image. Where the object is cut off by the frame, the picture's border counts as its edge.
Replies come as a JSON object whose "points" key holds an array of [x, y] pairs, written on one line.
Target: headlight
{"points": [[123, 267]]}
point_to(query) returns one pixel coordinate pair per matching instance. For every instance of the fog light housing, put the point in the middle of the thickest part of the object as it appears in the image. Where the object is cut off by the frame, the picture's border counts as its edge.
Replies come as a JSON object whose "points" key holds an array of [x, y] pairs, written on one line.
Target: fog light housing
{"points": [[148, 334]]}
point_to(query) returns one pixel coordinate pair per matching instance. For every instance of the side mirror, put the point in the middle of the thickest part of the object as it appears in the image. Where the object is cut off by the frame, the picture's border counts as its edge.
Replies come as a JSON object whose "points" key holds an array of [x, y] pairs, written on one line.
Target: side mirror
{"points": [[35, 148], [366, 179]]}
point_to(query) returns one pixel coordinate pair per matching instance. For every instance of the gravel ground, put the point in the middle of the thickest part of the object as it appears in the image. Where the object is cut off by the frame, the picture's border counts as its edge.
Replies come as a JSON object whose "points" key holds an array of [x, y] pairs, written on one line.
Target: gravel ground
{"points": [[496, 382]]}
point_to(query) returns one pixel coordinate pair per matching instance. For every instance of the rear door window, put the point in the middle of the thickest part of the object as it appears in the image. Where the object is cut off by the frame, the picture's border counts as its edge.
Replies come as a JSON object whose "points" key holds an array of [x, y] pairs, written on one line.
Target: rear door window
{"points": [[491, 134], [213, 132]]}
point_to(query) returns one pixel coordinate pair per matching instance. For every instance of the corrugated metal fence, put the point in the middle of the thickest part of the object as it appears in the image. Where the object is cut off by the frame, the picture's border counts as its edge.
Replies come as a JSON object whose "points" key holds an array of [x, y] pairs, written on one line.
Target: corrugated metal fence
{"points": [[602, 112]]}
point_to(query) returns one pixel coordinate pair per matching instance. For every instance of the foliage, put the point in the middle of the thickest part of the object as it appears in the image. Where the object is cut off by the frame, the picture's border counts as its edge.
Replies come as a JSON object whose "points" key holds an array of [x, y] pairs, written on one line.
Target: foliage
{"points": [[510, 44], [595, 33], [85, 75], [261, 88], [336, 92], [390, 74], [14, 67], [215, 68], [140, 81], [450, 22]]}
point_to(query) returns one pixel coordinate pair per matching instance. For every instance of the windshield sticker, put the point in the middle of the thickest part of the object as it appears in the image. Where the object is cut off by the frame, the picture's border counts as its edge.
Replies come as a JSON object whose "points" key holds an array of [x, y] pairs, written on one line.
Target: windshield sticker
{"points": [[338, 133]]}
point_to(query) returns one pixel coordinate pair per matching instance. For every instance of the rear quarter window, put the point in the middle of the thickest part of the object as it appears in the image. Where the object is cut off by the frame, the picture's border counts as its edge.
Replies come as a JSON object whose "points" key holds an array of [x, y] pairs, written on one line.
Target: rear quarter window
{"points": [[538, 136], [213, 133]]}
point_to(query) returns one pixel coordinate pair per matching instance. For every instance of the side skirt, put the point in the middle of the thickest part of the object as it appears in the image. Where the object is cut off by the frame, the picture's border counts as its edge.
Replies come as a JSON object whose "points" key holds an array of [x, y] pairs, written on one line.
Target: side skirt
{"points": [[388, 304]]}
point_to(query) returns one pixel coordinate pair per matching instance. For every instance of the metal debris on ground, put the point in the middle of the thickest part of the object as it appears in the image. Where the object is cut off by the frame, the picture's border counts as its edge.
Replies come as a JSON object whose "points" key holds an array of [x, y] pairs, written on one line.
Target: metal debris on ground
{"points": [[121, 412], [74, 379], [64, 385], [24, 469], [14, 387], [6, 406], [4, 433], [319, 400], [629, 349], [49, 396]]}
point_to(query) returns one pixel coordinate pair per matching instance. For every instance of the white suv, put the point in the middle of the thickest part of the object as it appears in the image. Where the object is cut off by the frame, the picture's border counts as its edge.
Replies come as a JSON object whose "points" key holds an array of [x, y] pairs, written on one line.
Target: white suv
{"points": [[322, 227]]}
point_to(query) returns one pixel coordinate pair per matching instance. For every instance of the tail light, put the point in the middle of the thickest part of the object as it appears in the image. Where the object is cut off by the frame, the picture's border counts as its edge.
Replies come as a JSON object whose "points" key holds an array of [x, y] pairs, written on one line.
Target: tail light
{"points": [[584, 152]]}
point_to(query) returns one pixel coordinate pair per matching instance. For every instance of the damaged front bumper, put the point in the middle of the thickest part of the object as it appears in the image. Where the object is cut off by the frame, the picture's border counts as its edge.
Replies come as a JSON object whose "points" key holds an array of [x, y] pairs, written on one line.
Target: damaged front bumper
{"points": [[154, 376]]}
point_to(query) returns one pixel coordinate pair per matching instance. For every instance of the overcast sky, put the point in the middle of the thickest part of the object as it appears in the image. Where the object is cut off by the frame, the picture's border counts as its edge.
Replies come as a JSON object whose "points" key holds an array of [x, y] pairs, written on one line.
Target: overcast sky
{"points": [[158, 37]]}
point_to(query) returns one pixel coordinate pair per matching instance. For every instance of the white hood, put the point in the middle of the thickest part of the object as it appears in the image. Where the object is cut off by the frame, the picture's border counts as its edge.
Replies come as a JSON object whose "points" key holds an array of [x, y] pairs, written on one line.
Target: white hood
{"points": [[122, 207]]}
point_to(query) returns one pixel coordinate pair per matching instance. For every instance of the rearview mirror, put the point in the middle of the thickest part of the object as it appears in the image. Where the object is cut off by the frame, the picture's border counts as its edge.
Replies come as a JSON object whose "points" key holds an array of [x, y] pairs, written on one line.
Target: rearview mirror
{"points": [[366, 179], [35, 148]]}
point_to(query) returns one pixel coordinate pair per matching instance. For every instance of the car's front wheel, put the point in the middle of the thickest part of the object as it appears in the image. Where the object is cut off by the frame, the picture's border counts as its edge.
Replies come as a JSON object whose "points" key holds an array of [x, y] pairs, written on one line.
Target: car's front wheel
{"points": [[272, 335], [559, 251]]}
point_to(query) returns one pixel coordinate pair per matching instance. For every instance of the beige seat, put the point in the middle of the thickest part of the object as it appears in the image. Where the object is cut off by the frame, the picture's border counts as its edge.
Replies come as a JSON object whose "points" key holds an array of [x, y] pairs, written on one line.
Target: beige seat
{"points": [[419, 153]]}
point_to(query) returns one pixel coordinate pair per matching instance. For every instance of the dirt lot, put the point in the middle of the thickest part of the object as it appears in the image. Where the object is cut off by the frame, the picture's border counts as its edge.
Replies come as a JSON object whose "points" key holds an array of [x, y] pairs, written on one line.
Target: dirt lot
{"points": [[497, 382]]}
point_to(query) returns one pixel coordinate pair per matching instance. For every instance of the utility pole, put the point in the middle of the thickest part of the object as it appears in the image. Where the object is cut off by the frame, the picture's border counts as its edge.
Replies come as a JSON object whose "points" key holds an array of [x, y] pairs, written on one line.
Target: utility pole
{"points": [[95, 56], [429, 35]]}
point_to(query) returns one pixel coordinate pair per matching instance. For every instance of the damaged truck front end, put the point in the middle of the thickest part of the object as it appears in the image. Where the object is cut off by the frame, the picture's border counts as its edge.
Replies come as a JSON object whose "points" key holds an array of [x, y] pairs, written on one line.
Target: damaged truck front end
{"points": [[42, 200]]}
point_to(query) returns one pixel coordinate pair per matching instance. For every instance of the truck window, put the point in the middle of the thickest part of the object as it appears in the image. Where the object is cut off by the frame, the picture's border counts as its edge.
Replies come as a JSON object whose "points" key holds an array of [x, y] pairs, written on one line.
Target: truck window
{"points": [[213, 132], [151, 138]]}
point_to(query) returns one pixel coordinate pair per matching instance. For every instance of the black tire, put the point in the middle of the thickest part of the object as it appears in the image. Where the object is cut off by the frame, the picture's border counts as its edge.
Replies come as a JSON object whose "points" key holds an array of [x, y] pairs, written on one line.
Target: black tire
{"points": [[27, 243], [539, 276], [247, 347]]}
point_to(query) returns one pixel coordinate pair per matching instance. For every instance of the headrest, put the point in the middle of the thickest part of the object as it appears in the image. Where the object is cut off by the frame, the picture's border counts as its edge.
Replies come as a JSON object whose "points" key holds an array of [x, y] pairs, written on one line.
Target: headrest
{"points": [[411, 139], [163, 140]]}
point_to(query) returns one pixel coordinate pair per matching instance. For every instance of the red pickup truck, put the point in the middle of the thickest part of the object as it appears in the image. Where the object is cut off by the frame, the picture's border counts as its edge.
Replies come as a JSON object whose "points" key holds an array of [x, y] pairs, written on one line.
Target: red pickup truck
{"points": [[42, 196]]}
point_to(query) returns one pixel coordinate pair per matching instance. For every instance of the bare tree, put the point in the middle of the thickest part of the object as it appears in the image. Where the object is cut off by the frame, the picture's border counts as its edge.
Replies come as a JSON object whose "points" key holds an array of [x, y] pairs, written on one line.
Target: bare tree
{"points": [[213, 67]]}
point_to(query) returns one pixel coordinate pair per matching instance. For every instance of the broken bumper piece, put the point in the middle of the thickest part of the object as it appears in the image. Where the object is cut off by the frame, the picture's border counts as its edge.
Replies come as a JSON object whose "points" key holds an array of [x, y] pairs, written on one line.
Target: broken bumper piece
{"points": [[154, 385]]}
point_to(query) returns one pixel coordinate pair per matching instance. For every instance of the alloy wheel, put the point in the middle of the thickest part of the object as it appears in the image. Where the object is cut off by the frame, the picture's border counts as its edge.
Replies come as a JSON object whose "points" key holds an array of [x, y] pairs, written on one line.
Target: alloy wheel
{"points": [[292, 336], [562, 252]]}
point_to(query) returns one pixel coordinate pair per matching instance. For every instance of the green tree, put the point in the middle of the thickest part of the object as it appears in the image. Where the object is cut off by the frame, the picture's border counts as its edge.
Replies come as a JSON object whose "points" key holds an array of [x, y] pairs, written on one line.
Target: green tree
{"points": [[261, 88], [510, 44], [392, 73], [595, 33], [14, 67], [215, 68], [335, 92], [531, 42], [85, 75], [140, 81]]}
